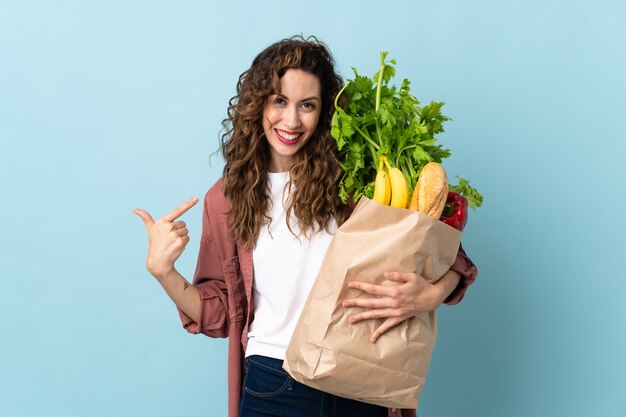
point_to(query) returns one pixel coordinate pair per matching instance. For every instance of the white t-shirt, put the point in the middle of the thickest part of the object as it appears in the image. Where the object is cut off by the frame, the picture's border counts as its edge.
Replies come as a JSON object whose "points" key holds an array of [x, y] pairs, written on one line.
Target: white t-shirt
{"points": [[285, 269]]}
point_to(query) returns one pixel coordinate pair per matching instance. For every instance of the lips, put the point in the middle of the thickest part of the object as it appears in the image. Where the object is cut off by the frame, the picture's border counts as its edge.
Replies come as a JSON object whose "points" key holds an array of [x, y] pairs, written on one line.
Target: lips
{"points": [[288, 137]]}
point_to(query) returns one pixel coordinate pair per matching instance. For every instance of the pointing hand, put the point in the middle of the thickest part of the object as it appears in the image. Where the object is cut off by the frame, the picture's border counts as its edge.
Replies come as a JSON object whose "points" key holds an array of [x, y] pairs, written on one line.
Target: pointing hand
{"points": [[167, 238]]}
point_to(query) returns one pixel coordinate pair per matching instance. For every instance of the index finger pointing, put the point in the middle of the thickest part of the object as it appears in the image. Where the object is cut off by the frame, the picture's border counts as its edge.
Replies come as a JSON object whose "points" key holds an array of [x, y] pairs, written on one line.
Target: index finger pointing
{"points": [[180, 210]]}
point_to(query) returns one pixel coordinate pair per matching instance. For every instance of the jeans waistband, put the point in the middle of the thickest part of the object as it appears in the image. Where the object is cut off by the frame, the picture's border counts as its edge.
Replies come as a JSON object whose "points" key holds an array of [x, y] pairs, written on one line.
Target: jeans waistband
{"points": [[273, 363]]}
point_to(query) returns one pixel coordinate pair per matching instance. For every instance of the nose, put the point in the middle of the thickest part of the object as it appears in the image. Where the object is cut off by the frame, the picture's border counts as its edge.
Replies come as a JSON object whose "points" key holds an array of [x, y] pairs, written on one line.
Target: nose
{"points": [[291, 117]]}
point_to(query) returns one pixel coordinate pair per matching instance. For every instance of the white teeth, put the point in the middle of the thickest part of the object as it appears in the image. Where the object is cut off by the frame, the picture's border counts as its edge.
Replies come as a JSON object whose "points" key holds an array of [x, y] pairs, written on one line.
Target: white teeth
{"points": [[288, 137]]}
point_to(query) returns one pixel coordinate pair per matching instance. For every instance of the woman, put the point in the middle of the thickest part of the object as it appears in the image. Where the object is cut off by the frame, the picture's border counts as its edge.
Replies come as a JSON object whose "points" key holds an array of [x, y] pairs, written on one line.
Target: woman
{"points": [[255, 267]]}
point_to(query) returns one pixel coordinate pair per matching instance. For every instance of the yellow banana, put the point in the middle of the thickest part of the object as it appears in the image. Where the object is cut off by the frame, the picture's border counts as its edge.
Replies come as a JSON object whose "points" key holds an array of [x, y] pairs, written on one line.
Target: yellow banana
{"points": [[399, 187], [382, 186]]}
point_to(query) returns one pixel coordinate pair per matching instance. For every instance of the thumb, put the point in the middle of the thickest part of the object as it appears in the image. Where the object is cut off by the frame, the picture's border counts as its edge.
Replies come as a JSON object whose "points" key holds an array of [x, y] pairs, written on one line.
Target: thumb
{"points": [[145, 216]]}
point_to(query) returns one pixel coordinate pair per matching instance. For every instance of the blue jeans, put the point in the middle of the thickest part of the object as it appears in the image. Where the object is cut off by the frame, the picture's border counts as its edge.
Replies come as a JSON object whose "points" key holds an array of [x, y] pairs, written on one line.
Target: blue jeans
{"points": [[269, 391]]}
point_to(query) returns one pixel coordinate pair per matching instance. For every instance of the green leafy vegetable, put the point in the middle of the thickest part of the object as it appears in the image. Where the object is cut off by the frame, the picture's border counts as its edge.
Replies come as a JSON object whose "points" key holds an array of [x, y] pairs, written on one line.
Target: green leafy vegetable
{"points": [[474, 199], [383, 119]]}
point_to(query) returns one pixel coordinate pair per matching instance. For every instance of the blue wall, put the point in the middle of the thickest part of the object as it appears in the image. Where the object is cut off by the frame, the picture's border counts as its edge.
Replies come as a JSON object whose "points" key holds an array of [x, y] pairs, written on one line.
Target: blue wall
{"points": [[108, 106]]}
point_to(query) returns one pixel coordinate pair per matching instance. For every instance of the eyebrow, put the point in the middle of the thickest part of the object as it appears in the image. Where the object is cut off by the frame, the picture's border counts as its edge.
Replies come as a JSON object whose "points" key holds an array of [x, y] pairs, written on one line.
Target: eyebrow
{"points": [[304, 99]]}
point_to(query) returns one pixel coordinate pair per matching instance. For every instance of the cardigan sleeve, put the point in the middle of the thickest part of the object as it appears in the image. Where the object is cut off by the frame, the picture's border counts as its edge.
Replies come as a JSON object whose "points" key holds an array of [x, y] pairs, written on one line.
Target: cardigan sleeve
{"points": [[464, 266], [209, 280]]}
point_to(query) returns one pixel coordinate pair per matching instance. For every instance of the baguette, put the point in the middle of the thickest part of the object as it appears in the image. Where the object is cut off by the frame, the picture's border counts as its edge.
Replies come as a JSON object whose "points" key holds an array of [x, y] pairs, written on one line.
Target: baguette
{"points": [[430, 192]]}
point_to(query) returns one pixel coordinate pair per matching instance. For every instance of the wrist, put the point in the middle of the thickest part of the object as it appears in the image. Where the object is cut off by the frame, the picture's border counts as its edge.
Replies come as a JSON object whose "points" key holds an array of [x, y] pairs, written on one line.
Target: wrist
{"points": [[438, 296], [433, 298], [163, 274]]}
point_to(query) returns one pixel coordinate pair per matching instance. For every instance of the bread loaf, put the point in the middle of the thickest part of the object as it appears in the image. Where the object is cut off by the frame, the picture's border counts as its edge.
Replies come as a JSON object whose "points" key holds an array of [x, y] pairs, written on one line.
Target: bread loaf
{"points": [[430, 192]]}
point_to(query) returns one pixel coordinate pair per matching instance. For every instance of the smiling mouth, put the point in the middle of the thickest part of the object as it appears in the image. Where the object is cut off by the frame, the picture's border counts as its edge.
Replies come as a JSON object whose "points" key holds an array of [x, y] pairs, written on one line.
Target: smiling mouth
{"points": [[287, 137]]}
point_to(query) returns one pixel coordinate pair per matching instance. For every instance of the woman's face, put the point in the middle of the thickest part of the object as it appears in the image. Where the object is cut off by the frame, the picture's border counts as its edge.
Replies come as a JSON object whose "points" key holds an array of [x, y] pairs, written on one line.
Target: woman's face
{"points": [[290, 118]]}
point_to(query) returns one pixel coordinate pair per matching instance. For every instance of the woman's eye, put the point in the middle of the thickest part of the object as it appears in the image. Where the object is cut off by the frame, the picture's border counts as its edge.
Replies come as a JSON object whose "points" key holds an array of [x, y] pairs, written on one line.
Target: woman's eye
{"points": [[279, 100], [309, 106]]}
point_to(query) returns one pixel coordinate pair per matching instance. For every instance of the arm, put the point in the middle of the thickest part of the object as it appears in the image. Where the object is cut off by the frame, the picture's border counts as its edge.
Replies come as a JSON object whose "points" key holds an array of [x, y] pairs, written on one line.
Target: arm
{"points": [[210, 318], [203, 306], [446, 285], [184, 295], [167, 239], [412, 294], [467, 272], [208, 313]]}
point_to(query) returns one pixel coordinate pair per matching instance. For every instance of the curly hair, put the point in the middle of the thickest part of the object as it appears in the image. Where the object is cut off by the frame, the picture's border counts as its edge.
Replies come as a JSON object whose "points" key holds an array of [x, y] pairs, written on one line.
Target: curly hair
{"points": [[313, 179]]}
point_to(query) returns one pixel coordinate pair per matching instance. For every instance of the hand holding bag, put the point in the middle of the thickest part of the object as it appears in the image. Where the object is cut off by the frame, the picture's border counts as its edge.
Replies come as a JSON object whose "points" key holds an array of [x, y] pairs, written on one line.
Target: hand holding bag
{"points": [[327, 352]]}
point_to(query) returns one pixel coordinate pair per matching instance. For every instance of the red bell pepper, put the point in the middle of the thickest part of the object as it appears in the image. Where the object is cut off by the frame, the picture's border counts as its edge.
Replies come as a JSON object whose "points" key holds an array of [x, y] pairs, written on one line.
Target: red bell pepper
{"points": [[455, 211]]}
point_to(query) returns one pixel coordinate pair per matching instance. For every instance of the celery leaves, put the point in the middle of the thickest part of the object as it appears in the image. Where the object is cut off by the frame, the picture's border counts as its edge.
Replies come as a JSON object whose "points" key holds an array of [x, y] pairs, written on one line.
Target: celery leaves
{"points": [[383, 119]]}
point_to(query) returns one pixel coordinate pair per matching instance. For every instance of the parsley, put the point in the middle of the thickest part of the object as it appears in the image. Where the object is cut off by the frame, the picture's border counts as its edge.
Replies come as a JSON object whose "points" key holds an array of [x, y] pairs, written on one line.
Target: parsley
{"points": [[383, 119], [474, 199]]}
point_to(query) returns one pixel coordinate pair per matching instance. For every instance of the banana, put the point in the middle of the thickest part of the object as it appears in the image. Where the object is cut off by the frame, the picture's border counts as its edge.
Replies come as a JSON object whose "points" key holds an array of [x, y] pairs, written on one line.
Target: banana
{"points": [[399, 187], [382, 186]]}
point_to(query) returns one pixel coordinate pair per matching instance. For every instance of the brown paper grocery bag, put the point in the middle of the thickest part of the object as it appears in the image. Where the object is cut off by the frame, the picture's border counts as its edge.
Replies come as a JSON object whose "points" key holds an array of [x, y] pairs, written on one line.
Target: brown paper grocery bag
{"points": [[328, 353]]}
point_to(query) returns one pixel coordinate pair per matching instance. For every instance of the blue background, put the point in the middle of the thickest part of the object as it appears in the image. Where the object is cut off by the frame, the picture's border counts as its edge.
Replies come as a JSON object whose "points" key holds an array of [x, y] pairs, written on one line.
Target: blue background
{"points": [[108, 106]]}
